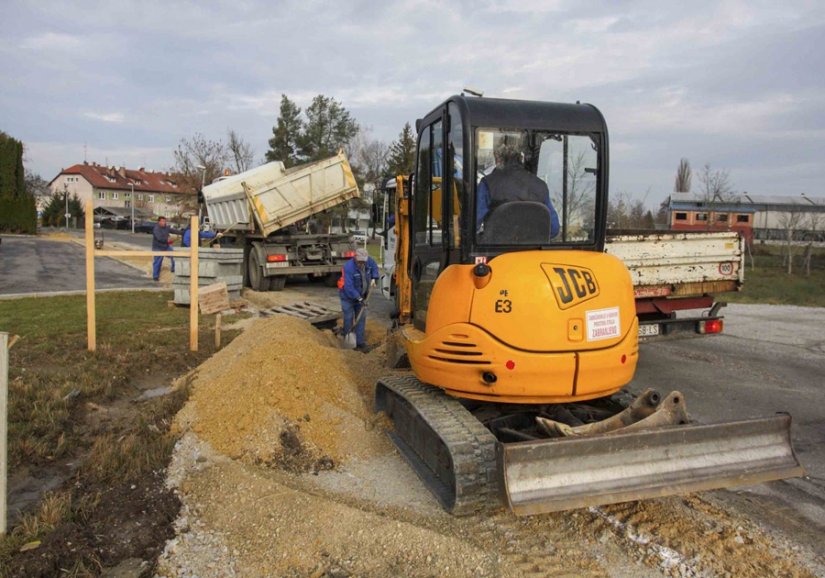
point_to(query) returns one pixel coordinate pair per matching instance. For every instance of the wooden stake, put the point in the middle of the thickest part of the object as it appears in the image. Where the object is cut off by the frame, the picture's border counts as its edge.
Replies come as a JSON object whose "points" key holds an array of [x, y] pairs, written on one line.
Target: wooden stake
{"points": [[217, 331], [91, 321], [194, 241], [4, 398]]}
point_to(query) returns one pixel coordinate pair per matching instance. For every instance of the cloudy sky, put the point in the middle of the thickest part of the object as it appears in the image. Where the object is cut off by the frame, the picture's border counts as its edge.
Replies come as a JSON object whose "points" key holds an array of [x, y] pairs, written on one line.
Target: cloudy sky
{"points": [[739, 85]]}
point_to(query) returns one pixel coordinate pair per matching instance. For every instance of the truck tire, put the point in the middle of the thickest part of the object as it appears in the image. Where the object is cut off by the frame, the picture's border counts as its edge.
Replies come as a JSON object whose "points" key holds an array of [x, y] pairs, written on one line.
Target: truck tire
{"points": [[277, 283], [257, 280], [331, 279]]}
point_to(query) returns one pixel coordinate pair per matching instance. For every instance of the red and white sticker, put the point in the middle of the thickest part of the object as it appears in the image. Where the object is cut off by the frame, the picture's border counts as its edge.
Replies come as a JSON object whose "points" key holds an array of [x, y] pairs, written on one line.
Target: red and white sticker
{"points": [[603, 324], [481, 260]]}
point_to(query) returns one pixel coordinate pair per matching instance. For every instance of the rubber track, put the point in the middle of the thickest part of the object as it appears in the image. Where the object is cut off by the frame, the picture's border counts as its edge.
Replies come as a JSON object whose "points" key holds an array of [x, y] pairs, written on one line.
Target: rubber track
{"points": [[439, 419]]}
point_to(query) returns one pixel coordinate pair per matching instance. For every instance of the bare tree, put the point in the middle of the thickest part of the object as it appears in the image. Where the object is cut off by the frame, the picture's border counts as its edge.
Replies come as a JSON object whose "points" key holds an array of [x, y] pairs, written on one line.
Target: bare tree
{"points": [[240, 152], [683, 174], [789, 221], [197, 152], [370, 163], [716, 185], [813, 225], [624, 211]]}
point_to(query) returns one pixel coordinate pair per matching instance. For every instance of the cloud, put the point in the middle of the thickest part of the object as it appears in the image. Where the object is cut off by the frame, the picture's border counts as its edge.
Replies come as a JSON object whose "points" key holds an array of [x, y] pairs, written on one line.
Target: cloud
{"points": [[726, 81], [113, 117]]}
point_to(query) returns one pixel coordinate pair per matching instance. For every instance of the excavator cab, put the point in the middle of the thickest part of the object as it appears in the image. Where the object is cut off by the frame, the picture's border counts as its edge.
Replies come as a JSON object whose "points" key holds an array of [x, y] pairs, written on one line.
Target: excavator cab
{"points": [[521, 332]]}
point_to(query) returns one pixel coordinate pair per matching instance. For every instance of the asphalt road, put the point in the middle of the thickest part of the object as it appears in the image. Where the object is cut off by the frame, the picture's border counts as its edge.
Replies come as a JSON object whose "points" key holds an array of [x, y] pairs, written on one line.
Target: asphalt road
{"points": [[38, 265], [770, 358]]}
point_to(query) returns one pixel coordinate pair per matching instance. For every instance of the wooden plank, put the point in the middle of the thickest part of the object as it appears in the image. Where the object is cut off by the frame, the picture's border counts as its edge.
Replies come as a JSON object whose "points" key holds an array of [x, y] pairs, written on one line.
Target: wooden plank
{"points": [[127, 253], [4, 398], [193, 288], [218, 331], [91, 312], [214, 298]]}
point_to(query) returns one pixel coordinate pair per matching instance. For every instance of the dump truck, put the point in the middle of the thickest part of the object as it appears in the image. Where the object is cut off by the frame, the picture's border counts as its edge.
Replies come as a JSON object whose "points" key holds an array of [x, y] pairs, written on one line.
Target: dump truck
{"points": [[522, 333], [269, 210]]}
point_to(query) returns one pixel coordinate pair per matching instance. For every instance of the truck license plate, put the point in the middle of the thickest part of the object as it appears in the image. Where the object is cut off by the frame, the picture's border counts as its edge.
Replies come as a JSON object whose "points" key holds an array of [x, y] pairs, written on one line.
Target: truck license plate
{"points": [[648, 330]]}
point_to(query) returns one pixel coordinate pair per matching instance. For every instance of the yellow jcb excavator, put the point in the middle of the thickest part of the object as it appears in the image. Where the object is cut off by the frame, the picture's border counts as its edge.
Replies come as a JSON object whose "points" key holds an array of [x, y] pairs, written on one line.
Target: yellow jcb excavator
{"points": [[521, 332]]}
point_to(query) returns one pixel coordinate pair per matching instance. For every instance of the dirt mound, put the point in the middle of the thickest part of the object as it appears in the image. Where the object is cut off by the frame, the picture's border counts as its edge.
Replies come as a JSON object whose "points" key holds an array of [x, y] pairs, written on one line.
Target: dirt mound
{"points": [[286, 394]]}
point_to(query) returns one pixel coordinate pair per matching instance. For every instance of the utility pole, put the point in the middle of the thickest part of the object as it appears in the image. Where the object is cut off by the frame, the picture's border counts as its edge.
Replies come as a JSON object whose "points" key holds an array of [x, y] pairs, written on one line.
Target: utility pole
{"points": [[66, 197], [132, 204]]}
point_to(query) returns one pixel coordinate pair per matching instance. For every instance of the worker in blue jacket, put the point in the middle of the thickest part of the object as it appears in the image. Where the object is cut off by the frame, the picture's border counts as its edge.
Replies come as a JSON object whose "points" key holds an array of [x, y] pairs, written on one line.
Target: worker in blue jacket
{"points": [[160, 242], [187, 236], [357, 276]]}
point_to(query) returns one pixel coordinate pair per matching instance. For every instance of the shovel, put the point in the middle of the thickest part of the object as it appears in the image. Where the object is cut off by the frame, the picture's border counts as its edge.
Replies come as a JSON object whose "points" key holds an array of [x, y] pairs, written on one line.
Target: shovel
{"points": [[349, 338]]}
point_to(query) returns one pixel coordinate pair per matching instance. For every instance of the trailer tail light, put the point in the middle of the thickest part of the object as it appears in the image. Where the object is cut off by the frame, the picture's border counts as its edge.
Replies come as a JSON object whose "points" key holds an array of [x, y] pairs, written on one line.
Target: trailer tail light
{"points": [[710, 326], [349, 254], [276, 258]]}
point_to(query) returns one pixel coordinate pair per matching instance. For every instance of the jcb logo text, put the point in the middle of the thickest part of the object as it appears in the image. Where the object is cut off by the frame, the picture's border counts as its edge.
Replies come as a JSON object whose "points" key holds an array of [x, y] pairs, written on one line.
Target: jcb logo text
{"points": [[571, 285]]}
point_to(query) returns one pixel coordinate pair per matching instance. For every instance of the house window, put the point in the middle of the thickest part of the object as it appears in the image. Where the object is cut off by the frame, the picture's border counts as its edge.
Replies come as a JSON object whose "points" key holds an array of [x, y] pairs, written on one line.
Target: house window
{"points": [[140, 196], [168, 199], [681, 216], [722, 218], [151, 198], [742, 218], [101, 196], [701, 216], [114, 196]]}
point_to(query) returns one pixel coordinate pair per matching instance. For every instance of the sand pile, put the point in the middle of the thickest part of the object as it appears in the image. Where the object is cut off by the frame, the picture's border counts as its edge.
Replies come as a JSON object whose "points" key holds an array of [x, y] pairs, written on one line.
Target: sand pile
{"points": [[285, 394]]}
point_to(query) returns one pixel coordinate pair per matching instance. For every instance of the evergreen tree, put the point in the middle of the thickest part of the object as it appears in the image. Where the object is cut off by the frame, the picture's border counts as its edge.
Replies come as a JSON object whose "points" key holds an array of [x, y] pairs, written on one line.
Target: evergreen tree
{"points": [[329, 127], [402, 153], [12, 175], [17, 207], [283, 146]]}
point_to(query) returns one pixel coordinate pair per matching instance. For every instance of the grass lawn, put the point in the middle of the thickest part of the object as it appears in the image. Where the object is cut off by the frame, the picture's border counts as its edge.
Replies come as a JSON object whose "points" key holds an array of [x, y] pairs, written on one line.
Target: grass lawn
{"points": [[58, 392], [769, 282], [773, 285]]}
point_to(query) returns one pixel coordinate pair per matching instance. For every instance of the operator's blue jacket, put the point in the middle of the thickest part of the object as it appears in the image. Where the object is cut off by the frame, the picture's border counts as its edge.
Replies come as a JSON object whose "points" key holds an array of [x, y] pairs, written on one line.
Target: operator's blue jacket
{"points": [[352, 285]]}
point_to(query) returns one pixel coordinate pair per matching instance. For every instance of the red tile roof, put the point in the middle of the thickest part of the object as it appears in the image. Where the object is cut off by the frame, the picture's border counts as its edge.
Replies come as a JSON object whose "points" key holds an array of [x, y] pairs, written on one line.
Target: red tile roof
{"points": [[103, 177]]}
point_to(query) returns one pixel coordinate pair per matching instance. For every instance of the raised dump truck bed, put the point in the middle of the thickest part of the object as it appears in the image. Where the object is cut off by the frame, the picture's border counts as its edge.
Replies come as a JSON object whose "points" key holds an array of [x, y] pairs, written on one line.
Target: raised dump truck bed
{"points": [[265, 210], [279, 197]]}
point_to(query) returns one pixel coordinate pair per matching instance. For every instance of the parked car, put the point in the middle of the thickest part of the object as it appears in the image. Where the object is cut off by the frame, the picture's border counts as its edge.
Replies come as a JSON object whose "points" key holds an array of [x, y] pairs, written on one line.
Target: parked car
{"points": [[114, 223], [144, 226]]}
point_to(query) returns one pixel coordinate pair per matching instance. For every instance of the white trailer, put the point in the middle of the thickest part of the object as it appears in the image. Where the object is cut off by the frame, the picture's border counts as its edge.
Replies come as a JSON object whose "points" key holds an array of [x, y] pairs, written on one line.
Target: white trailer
{"points": [[677, 276]]}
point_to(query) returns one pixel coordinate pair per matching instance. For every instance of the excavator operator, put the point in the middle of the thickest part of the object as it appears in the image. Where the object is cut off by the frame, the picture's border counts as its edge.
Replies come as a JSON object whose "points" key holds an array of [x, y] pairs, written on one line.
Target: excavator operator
{"points": [[510, 181]]}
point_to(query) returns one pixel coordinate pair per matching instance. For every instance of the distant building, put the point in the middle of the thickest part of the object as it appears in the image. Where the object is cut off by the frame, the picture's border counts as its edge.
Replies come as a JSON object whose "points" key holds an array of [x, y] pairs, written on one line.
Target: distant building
{"points": [[156, 193], [760, 217]]}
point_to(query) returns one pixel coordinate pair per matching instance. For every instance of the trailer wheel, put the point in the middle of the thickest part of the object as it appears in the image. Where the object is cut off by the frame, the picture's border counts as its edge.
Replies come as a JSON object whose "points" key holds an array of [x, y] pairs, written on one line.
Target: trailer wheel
{"points": [[257, 280], [277, 283]]}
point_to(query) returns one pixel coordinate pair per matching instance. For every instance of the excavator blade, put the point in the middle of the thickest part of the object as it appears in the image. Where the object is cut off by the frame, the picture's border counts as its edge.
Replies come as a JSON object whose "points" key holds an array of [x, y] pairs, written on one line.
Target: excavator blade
{"points": [[575, 472]]}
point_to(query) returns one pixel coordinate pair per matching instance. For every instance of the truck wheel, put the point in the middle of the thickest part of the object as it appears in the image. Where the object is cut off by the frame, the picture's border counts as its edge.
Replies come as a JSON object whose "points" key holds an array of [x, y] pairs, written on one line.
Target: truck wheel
{"points": [[257, 280], [277, 283], [331, 279]]}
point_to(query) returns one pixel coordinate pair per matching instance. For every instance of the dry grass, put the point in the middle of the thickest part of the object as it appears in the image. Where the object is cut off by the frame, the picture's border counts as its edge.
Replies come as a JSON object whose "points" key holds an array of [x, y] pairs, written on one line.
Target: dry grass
{"points": [[53, 382]]}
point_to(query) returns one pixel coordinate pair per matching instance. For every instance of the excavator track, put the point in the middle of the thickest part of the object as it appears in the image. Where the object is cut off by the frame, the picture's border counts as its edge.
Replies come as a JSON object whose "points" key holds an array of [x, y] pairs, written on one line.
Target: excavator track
{"points": [[449, 449]]}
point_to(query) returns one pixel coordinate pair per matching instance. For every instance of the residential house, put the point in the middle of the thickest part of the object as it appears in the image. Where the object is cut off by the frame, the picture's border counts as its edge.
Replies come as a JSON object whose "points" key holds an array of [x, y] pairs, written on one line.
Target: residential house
{"points": [[157, 193]]}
